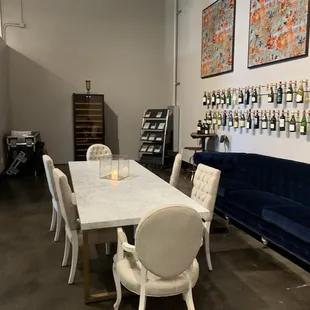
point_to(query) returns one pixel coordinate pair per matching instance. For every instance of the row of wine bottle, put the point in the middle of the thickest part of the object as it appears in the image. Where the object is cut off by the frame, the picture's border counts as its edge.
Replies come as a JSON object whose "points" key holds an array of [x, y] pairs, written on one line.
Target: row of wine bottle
{"points": [[257, 119], [277, 93]]}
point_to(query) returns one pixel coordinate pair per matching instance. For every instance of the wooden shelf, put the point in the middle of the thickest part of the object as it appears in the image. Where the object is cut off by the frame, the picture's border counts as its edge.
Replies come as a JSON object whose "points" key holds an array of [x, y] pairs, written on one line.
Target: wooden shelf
{"points": [[89, 103], [88, 115], [86, 121], [81, 109]]}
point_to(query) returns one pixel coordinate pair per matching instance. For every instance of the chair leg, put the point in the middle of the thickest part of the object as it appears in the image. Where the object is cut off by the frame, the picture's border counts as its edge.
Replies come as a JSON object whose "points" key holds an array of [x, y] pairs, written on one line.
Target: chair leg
{"points": [[118, 288], [207, 244], [107, 249], [142, 302], [53, 222], [66, 252], [188, 297], [75, 253], [58, 226]]}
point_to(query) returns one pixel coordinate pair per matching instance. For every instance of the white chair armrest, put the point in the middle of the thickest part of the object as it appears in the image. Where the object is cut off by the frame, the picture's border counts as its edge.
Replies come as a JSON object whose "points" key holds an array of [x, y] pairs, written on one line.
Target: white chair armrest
{"points": [[129, 248]]}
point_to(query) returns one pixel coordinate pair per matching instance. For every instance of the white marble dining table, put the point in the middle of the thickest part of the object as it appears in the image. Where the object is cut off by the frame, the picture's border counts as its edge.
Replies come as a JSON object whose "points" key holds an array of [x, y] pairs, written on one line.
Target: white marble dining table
{"points": [[104, 203]]}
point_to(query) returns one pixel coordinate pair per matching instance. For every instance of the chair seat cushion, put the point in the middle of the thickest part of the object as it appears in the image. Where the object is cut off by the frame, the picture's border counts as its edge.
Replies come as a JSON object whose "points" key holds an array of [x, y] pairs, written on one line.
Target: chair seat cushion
{"points": [[255, 201], [295, 221], [129, 271], [227, 184]]}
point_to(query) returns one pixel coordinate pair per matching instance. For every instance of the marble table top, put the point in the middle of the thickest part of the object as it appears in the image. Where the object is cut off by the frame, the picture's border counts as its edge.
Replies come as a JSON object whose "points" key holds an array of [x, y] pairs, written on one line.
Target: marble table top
{"points": [[103, 203]]}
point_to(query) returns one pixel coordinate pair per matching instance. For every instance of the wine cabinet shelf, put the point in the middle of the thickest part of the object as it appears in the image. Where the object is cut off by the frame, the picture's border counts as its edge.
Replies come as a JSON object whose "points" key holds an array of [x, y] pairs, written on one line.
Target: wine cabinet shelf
{"points": [[88, 115]]}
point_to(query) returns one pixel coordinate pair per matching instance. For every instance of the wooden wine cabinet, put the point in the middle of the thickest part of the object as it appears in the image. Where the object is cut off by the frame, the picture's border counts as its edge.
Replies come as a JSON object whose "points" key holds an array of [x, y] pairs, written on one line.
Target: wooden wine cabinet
{"points": [[88, 119]]}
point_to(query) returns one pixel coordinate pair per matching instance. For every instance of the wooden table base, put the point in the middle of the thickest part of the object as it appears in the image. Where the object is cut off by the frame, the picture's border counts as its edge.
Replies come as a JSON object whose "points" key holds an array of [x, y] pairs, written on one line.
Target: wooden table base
{"points": [[103, 296]]}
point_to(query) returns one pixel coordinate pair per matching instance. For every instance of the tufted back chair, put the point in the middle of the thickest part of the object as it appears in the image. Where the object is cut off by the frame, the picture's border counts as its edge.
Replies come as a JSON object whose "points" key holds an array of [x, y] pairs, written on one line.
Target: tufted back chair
{"points": [[96, 151], [205, 188], [175, 175]]}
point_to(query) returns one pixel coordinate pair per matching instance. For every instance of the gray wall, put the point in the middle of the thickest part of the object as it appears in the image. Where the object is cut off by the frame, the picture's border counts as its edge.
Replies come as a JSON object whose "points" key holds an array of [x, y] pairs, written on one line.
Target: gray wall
{"points": [[192, 86], [120, 45], [4, 98]]}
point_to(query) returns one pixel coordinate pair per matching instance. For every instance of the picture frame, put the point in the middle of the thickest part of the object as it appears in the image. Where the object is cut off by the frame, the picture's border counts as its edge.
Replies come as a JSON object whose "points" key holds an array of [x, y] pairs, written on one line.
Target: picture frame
{"points": [[282, 36], [218, 38]]}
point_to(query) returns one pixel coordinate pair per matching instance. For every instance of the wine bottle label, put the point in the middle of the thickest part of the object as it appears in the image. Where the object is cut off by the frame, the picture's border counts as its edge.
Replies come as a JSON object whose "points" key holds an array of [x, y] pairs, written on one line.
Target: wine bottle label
{"points": [[264, 125], [230, 123], [253, 99], [292, 127], [236, 124], [223, 101], [214, 121], [218, 100], [289, 97], [299, 98], [302, 129], [242, 123], [282, 123], [240, 100], [219, 122], [248, 125], [269, 99], [272, 126], [227, 101], [256, 121], [198, 128], [204, 99]]}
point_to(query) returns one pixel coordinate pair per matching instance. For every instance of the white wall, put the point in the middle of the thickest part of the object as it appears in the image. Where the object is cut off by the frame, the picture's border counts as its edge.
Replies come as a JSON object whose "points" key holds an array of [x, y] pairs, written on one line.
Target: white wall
{"points": [[192, 86], [119, 45], [4, 98]]}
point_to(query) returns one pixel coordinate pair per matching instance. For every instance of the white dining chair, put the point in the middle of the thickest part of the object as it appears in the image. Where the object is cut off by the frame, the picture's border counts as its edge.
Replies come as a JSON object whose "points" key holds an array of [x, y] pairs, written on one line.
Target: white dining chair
{"points": [[56, 214], [163, 261], [206, 182], [96, 151], [73, 234], [176, 169]]}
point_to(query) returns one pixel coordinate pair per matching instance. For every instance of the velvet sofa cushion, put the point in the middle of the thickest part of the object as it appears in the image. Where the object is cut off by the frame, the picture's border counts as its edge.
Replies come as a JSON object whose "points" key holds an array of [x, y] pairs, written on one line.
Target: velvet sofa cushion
{"points": [[255, 201], [293, 220], [227, 184]]}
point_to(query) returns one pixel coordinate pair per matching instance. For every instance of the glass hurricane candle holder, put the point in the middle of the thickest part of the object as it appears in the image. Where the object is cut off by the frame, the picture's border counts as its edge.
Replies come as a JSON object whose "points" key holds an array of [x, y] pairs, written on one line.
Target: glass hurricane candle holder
{"points": [[114, 167]]}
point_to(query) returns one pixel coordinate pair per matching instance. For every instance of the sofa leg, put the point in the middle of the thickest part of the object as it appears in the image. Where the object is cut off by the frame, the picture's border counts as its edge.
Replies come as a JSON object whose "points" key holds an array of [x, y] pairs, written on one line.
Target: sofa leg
{"points": [[227, 219], [265, 242]]}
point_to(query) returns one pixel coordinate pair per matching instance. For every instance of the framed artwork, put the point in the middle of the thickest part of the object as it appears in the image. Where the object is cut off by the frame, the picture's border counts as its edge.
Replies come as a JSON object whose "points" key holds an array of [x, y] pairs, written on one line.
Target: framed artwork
{"points": [[279, 31], [218, 36]]}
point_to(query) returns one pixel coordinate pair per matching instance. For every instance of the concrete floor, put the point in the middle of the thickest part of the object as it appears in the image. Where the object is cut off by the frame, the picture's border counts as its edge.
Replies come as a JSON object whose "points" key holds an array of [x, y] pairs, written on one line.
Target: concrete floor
{"points": [[245, 276]]}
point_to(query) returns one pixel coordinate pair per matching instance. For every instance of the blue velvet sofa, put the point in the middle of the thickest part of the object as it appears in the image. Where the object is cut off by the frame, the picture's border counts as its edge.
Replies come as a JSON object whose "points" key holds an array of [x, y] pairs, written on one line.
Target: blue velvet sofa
{"points": [[268, 195]]}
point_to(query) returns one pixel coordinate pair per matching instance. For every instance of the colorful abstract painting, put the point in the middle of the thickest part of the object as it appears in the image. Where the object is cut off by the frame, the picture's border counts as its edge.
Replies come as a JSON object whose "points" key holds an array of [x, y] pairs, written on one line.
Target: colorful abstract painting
{"points": [[218, 31], [278, 31]]}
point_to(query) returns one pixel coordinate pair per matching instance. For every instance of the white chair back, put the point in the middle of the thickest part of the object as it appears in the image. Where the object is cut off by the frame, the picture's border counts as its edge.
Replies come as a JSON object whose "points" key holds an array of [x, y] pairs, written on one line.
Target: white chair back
{"points": [[175, 175], [206, 182], [96, 151], [67, 208], [49, 166], [168, 240]]}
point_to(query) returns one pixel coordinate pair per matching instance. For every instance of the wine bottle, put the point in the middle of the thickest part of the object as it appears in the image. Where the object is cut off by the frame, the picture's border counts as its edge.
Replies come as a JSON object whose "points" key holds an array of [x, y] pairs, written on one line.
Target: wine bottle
{"points": [[199, 126], [236, 120], [209, 119], [224, 119], [280, 94], [289, 93], [223, 98], [264, 120], [273, 122], [218, 98], [219, 119], [213, 99], [306, 96], [228, 97], [303, 124], [230, 119], [249, 120], [282, 122], [204, 98], [234, 97], [240, 97], [292, 125], [300, 93], [256, 120], [247, 96], [242, 120], [209, 99], [254, 95], [270, 94], [214, 118]]}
